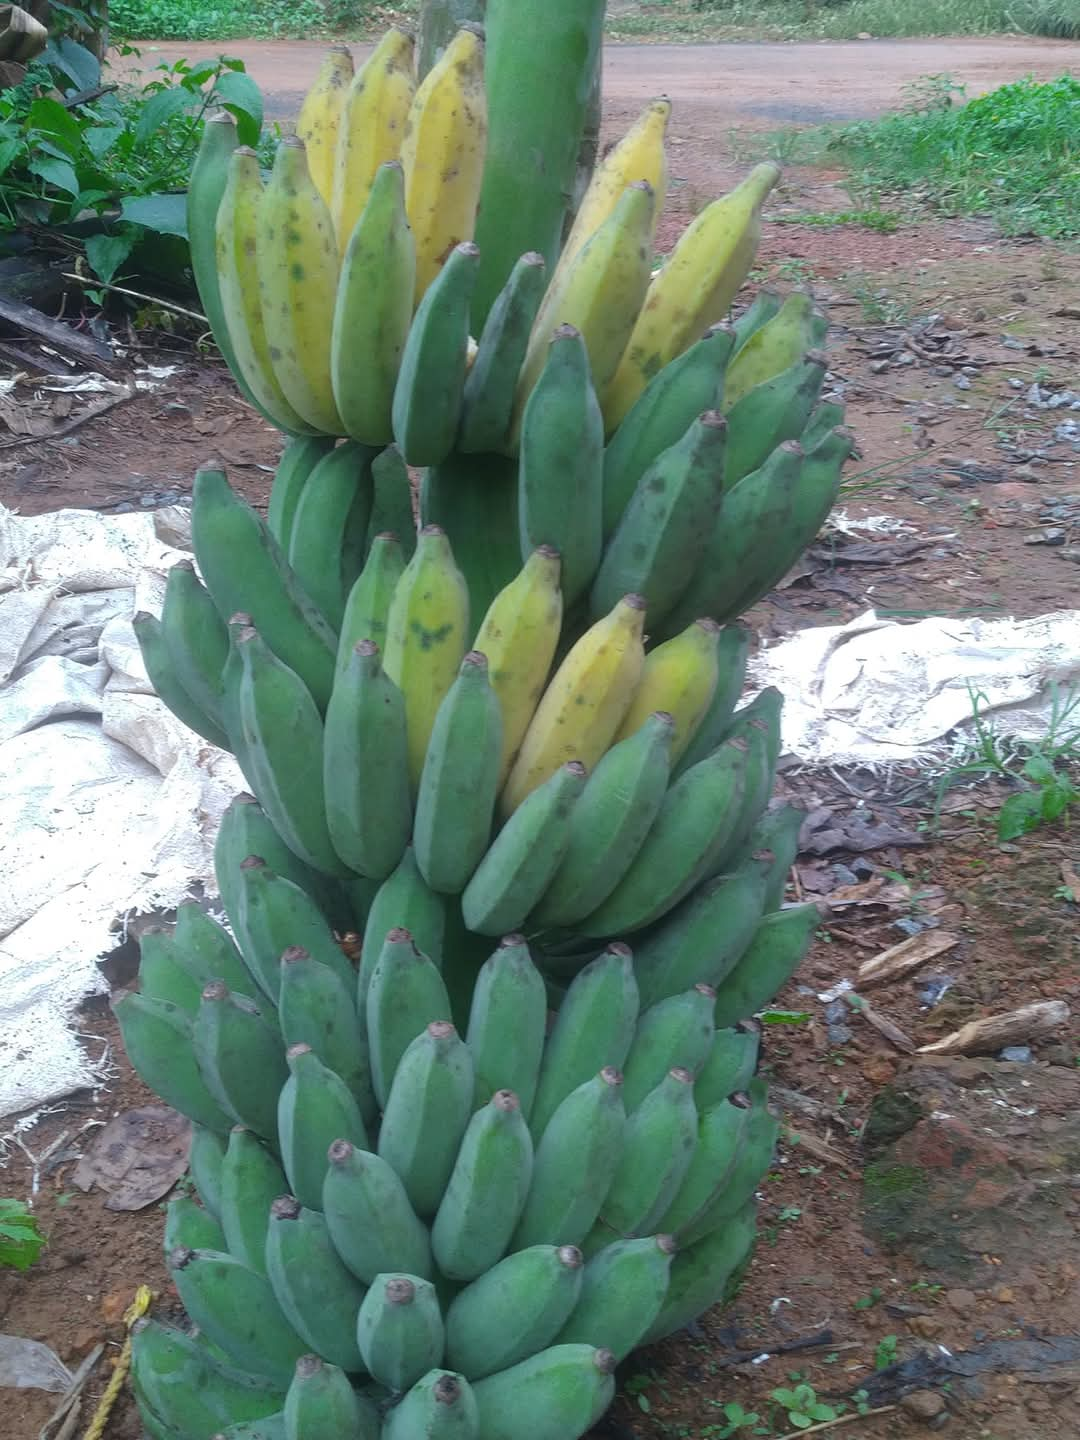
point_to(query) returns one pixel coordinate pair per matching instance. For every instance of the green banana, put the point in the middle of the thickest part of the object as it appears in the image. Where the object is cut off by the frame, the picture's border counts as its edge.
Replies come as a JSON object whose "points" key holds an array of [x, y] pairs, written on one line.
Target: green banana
{"points": [[195, 638], [759, 312], [577, 1159], [777, 832], [595, 1022], [561, 1391], [236, 1310], [828, 414], [664, 529], [283, 749], [622, 1291], [608, 825], [392, 502], [300, 456], [251, 1179], [513, 1310], [772, 957], [321, 1404], [731, 1064], [190, 1226], [318, 1296], [207, 953], [759, 777], [486, 1191], [369, 1216], [695, 824], [239, 1057], [743, 540], [328, 537], [275, 914], [507, 1024], [732, 652], [438, 1407], [770, 413], [162, 674], [427, 1110], [425, 637], [158, 1039], [474, 498], [366, 766], [243, 566], [492, 379], [318, 1009], [245, 831], [272, 1427], [703, 937], [677, 1031], [314, 1108], [189, 1390], [373, 310], [767, 705], [431, 381], [752, 1162], [406, 994], [560, 468], [162, 976], [455, 804], [685, 388], [704, 1274], [368, 606], [206, 1160], [402, 901], [400, 1330], [525, 855], [721, 1135], [819, 485], [661, 1135], [773, 347]]}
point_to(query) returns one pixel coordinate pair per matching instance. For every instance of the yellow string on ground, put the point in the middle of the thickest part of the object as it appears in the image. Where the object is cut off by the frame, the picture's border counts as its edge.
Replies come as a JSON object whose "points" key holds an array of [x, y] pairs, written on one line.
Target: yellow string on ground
{"points": [[96, 1429]]}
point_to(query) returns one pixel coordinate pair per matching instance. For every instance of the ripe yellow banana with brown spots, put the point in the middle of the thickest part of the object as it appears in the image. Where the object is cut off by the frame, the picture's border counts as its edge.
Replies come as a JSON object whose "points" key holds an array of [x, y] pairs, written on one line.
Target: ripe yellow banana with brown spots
{"points": [[371, 128], [680, 677], [238, 284], [694, 289], [443, 154], [585, 703], [519, 635], [599, 293], [639, 155], [297, 263], [320, 116]]}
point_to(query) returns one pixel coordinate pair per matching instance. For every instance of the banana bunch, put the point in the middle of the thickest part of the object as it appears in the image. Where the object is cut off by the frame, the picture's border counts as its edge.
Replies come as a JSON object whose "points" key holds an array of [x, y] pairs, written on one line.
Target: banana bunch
{"points": [[415, 1224]]}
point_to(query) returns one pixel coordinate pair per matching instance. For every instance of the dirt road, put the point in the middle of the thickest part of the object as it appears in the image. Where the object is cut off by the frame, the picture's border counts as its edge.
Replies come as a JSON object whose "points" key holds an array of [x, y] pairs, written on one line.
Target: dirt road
{"points": [[747, 84]]}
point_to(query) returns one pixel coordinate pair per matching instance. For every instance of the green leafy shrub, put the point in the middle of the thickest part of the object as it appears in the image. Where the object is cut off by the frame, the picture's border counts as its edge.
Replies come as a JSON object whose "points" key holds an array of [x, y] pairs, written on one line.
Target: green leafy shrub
{"points": [[21, 1240], [216, 20]]}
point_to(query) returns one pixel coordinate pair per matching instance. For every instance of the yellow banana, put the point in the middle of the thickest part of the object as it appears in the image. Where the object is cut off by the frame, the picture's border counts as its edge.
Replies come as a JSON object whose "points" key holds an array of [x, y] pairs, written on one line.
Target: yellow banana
{"points": [[426, 632], [297, 263], [519, 635], [599, 293], [371, 127], [443, 154], [320, 116], [236, 226], [680, 677], [780, 343], [639, 155], [585, 703], [694, 289]]}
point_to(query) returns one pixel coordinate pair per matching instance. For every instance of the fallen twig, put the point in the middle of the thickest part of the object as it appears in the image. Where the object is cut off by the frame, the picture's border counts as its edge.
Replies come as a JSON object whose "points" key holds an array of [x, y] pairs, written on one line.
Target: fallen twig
{"points": [[91, 413], [902, 959], [69, 1405], [994, 1032], [881, 1023], [808, 1141], [92, 283], [834, 1424]]}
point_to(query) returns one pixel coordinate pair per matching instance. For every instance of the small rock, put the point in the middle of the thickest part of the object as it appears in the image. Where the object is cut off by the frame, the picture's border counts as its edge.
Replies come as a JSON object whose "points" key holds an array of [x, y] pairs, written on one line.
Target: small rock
{"points": [[923, 1404], [1071, 552], [844, 876], [1008, 343], [1062, 1055], [1015, 383], [864, 35], [926, 1327], [1052, 535], [835, 1012], [1018, 1054], [1003, 1294], [878, 1069], [961, 382], [878, 367], [962, 1301], [839, 1034]]}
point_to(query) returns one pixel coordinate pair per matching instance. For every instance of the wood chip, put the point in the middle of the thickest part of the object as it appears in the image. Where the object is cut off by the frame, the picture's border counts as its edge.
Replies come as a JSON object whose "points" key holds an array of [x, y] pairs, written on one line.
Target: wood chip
{"points": [[985, 1037], [902, 959], [882, 1024]]}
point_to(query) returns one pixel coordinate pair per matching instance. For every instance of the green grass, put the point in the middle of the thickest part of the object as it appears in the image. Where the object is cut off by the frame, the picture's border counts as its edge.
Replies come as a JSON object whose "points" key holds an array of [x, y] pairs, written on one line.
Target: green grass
{"points": [[703, 20], [250, 19]]}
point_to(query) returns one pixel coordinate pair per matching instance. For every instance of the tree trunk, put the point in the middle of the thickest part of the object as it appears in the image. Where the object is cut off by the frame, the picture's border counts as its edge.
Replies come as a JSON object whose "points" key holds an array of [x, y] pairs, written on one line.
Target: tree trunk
{"points": [[439, 20]]}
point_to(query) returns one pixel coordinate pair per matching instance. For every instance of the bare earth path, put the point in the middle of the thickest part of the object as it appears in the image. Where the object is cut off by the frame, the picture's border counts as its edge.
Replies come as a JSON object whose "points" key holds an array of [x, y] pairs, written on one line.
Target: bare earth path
{"points": [[743, 84]]}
